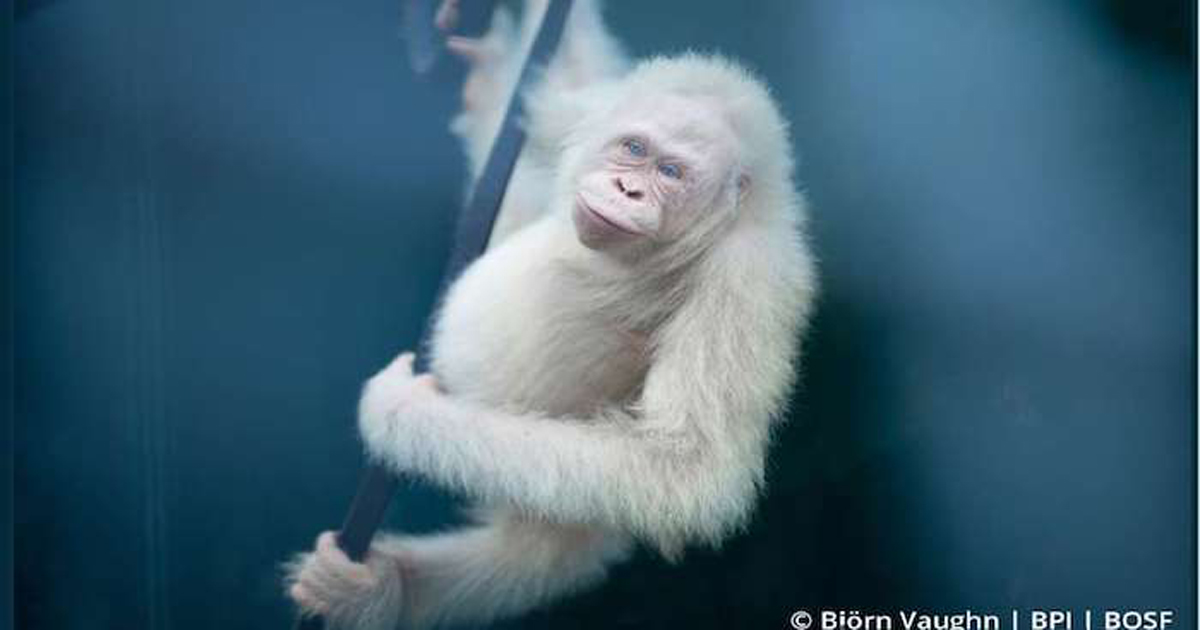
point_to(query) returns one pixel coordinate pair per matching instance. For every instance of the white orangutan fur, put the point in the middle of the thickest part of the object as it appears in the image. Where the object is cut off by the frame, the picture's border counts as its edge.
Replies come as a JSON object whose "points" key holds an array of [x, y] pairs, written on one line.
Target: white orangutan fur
{"points": [[601, 377]]}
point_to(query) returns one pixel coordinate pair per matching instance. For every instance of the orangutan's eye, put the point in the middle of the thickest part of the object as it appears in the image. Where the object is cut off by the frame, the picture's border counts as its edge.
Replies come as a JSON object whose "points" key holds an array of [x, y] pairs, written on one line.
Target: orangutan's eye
{"points": [[635, 148]]}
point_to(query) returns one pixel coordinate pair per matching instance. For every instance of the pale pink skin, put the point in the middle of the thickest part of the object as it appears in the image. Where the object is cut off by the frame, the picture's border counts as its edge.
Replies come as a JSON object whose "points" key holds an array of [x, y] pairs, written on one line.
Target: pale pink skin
{"points": [[664, 161]]}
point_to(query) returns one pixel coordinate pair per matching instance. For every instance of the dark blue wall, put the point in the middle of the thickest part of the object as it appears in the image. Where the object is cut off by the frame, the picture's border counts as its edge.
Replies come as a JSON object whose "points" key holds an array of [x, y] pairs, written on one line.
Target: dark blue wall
{"points": [[6, 329], [231, 213]]}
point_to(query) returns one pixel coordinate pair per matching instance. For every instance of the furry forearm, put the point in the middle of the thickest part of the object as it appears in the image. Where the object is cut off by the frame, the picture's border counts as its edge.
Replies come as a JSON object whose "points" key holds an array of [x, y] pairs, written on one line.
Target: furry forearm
{"points": [[664, 486], [527, 563]]}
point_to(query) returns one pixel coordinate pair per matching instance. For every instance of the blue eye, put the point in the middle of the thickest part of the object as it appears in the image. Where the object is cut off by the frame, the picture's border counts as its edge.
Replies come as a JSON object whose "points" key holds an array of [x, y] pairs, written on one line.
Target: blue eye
{"points": [[671, 170], [635, 148]]}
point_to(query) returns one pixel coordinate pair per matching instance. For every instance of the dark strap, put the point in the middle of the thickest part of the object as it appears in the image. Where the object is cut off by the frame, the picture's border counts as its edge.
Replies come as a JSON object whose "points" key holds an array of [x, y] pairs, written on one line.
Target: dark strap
{"points": [[378, 485]]}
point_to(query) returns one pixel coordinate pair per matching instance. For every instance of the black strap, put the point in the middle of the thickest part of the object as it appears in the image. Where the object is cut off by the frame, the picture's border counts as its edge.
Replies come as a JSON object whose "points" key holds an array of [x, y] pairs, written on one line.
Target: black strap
{"points": [[378, 485]]}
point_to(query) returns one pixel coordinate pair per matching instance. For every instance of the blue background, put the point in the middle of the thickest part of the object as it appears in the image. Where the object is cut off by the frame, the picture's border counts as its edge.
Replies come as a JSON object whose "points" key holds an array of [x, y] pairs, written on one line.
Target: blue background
{"points": [[231, 213]]}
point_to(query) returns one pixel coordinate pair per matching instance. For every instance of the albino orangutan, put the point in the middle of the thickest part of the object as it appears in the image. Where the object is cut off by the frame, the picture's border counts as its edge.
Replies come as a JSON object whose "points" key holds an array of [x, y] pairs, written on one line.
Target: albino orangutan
{"points": [[611, 369]]}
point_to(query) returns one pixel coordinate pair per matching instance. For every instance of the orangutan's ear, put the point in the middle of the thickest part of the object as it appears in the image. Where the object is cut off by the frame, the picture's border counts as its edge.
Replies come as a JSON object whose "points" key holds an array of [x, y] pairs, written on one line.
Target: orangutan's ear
{"points": [[743, 187]]}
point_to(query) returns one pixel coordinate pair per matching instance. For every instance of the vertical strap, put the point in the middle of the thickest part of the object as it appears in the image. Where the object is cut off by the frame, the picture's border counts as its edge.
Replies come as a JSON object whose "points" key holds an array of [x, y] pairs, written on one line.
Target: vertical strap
{"points": [[377, 485]]}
